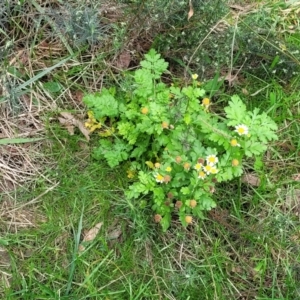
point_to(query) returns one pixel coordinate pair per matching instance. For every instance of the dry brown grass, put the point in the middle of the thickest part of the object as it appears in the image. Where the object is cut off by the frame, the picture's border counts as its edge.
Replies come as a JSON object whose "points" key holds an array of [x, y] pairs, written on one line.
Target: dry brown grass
{"points": [[20, 163]]}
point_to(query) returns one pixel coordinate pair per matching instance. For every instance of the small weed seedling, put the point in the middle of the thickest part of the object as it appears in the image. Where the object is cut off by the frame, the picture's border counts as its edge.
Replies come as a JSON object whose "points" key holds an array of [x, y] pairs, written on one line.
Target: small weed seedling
{"points": [[177, 147]]}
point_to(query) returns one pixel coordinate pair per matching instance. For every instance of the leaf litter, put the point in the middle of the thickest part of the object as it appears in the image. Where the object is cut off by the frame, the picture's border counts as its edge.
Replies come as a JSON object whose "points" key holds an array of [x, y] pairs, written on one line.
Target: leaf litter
{"points": [[191, 11], [251, 179], [114, 232], [89, 236], [70, 122]]}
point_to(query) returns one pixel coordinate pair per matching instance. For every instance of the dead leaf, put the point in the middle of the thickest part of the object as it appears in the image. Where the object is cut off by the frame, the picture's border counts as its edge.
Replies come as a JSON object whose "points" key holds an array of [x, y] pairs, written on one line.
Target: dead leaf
{"points": [[115, 233], [212, 189], [123, 60], [77, 96], [236, 269], [92, 233], [237, 7], [231, 79], [69, 121], [241, 9], [245, 91], [81, 248], [83, 129], [296, 177], [89, 236], [287, 145], [251, 179], [191, 12], [69, 126]]}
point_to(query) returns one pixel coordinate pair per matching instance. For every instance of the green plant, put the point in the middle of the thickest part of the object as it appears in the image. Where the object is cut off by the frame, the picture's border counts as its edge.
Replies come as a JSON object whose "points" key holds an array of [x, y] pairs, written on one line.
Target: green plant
{"points": [[81, 23], [178, 148]]}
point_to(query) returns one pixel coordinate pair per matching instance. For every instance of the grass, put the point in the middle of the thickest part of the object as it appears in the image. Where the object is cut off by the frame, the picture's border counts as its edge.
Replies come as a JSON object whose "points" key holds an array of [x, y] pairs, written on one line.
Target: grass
{"points": [[245, 248], [53, 191]]}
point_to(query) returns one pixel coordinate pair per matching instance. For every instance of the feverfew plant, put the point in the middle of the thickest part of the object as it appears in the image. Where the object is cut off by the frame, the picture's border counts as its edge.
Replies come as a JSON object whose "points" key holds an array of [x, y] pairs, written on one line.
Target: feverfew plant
{"points": [[177, 147]]}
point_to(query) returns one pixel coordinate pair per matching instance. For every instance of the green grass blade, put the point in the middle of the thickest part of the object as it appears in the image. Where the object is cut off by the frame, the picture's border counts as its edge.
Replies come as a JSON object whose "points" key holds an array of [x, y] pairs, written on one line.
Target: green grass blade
{"points": [[41, 74], [9, 141], [73, 263], [54, 26]]}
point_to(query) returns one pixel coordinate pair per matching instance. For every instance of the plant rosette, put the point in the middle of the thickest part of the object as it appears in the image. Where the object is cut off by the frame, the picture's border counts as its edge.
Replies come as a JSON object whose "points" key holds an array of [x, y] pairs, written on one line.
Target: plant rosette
{"points": [[177, 146]]}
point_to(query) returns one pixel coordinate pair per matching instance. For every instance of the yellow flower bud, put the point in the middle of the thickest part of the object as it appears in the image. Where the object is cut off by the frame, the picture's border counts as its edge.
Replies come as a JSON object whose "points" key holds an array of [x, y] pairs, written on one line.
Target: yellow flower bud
{"points": [[145, 110], [178, 159], [188, 219], [234, 143], [206, 102], [165, 125], [235, 162], [187, 166], [193, 203], [157, 165]]}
